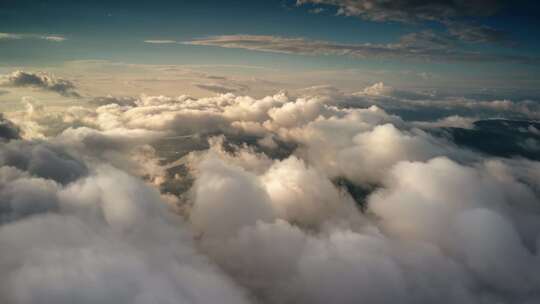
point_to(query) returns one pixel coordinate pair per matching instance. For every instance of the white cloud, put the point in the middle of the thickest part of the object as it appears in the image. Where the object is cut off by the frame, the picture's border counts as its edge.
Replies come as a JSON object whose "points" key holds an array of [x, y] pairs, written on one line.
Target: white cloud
{"points": [[453, 121], [98, 236], [162, 41], [9, 36], [268, 207], [13, 36], [54, 38], [426, 46]]}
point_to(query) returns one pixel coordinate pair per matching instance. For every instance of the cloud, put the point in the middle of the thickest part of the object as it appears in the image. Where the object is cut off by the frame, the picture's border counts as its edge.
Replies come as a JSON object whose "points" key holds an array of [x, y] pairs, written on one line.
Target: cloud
{"points": [[347, 257], [41, 81], [42, 160], [420, 101], [95, 240], [217, 88], [7, 36], [453, 121], [156, 41], [8, 130], [77, 229], [419, 46], [408, 11], [478, 33], [105, 100], [318, 198], [378, 89], [447, 13], [54, 38], [12, 36]]}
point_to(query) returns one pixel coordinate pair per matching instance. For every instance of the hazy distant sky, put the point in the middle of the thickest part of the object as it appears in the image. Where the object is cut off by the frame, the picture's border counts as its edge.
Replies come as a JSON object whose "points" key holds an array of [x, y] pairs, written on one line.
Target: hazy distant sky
{"points": [[479, 44]]}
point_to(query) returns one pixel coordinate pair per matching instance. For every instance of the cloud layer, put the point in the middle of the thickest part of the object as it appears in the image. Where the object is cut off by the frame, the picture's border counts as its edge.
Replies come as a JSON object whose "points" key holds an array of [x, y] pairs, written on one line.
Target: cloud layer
{"points": [[319, 198]]}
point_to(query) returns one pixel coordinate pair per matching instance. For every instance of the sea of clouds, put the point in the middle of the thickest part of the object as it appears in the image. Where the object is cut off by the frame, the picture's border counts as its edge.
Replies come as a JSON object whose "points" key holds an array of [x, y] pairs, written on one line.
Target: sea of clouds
{"points": [[322, 198]]}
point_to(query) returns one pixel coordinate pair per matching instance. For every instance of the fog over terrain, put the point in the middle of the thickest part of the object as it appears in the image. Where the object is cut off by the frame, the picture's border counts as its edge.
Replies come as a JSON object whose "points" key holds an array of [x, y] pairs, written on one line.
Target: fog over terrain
{"points": [[314, 196]]}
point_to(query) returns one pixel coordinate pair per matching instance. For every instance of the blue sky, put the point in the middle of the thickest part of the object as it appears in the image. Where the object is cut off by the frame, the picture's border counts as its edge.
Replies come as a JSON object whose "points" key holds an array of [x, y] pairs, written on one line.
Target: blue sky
{"points": [[117, 30]]}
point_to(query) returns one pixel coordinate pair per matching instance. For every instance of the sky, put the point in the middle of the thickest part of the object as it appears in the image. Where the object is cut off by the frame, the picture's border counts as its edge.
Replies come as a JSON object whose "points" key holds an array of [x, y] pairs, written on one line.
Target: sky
{"points": [[447, 45], [269, 152]]}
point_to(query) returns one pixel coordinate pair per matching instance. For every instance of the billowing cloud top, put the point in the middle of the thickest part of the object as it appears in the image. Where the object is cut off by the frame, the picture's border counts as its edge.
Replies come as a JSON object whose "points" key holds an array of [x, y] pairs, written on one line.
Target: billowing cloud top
{"points": [[8, 130], [320, 198], [41, 81]]}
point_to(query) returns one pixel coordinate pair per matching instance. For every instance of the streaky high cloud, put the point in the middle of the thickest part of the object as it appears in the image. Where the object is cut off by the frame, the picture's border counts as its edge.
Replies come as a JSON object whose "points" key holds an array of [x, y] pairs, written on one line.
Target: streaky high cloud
{"points": [[219, 88], [448, 13], [13, 36], [426, 46], [158, 41], [409, 11], [41, 81], [478, 33]]}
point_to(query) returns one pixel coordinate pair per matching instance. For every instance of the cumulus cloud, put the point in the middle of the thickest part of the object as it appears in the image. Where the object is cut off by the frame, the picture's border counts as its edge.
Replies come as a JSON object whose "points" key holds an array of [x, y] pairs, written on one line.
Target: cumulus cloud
{"points": [[43, 160], [40, 81], [348, 257], [421, 46], [8, 130], [86, 232], [311, 199]]}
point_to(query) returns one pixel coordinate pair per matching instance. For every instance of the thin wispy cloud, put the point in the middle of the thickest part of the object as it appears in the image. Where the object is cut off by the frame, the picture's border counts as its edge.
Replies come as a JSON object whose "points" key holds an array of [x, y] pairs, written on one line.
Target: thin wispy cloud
{"points": [[408, 11], [159, 41], [54, 38], [446, 13], [475, 33], [426, 46], [13, 36], [217, 87]]}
